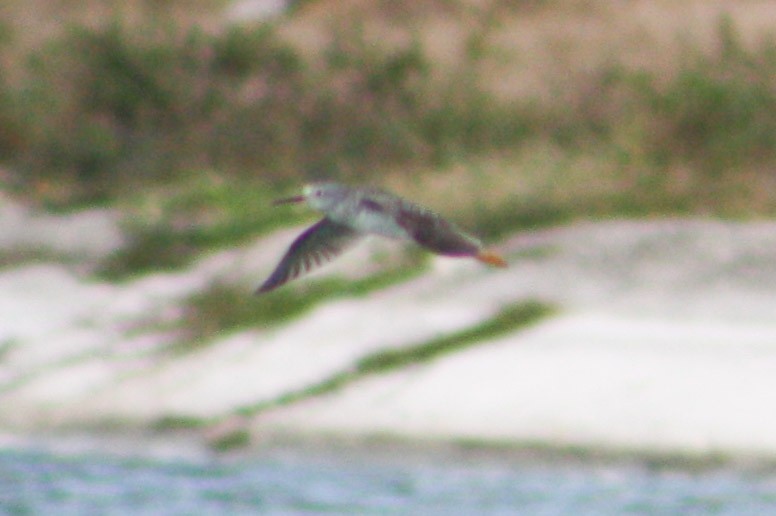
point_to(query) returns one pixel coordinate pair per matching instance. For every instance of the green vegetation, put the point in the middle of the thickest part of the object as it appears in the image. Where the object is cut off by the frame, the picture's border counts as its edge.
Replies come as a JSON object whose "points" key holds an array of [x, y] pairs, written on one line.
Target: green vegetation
{"points": [[225, 308], [103, 111], [169, 226], [192, 125], [220, 441], [509, 319], [177, 422], [107, 110], [25, 255], [235, 439], [98, 111], [6, 346]]}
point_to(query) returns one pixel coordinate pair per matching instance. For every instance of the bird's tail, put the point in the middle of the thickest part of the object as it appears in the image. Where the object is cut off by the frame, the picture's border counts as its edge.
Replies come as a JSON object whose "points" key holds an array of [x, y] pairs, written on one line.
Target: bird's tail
{"points": [[491, 258]]}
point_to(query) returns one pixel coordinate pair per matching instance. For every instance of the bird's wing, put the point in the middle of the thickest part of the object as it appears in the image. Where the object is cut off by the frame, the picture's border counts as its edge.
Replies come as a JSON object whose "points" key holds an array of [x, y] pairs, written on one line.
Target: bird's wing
{"points": [[435, 233], [321, 242]]}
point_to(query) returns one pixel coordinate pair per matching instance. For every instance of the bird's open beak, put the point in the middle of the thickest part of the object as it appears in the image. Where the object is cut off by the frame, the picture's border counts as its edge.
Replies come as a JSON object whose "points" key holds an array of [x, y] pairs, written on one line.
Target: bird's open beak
{"points": [[296, 198]]}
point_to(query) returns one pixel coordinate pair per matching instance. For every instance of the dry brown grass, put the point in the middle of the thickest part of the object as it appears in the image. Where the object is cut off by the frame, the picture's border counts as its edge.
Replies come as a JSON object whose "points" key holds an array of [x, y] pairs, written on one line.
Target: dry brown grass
{"points": [[32, 23], [534, 47], [552, 56], [548, 50], [534, 43], [538, 184]]}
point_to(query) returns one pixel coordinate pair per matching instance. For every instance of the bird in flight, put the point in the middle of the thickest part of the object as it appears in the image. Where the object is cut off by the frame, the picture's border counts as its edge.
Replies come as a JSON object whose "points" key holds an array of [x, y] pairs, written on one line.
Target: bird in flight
{"points": [[351, 213]]}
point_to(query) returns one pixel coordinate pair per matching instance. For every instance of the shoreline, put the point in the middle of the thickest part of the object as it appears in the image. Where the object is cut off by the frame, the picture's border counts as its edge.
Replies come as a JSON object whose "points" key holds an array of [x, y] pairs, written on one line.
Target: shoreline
{"points": [[187, 446], [664, 339]]}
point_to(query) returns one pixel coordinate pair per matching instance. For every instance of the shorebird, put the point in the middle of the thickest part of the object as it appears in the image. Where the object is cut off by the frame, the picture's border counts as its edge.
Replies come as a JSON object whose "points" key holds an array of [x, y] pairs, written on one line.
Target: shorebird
{"points": [[351, 213]]}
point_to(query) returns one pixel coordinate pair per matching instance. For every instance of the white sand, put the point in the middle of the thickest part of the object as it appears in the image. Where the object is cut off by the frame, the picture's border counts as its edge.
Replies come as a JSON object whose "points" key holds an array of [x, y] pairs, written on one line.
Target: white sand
{"points": [[585, 379], [666, 341]]}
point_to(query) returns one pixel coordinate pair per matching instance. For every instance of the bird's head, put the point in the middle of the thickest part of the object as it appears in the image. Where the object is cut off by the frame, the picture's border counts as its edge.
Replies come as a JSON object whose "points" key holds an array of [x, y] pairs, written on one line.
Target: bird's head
{"points": [[320, 196]]}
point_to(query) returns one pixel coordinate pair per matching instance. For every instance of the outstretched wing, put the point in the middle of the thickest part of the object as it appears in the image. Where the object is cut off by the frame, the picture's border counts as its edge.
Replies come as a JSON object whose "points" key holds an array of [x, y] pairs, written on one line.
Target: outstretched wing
{"points": [[435, 233], [321, 242]]}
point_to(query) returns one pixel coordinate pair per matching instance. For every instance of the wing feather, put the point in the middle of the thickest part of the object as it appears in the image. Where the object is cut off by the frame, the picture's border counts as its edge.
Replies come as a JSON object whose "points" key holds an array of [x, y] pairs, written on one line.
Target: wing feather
{"points": [[436, 233], [318, 244]]}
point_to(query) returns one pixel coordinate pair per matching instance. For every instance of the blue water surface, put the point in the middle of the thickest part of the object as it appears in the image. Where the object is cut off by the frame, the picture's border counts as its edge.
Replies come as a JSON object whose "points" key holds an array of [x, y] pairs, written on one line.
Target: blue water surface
{"points": [[359, 481]]}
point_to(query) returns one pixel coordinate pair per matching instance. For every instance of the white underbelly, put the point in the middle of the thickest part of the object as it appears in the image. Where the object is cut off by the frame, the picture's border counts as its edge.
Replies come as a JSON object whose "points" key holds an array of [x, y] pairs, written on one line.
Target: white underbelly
{"points": [[378, 223]]}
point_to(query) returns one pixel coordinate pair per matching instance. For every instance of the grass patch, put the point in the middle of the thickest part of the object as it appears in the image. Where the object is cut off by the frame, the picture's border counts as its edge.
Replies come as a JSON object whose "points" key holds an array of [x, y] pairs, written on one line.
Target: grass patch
{"points": [[716, 115], [7, 345], [222, 441], [225, 308], [509, 319], [501, 220], [22, 255], [169, 226], [233, 440], [177, 422], [105, 110], [99, 110]]}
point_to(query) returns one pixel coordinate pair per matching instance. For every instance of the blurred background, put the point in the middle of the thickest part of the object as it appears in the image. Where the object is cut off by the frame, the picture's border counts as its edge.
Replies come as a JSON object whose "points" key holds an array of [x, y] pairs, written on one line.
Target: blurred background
{"points": [[141, 144], [198, 110]]}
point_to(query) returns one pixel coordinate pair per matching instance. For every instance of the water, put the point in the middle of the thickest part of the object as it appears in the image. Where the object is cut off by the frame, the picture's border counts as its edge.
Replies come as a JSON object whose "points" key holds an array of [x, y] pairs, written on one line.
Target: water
{"points": [[46, 480]]}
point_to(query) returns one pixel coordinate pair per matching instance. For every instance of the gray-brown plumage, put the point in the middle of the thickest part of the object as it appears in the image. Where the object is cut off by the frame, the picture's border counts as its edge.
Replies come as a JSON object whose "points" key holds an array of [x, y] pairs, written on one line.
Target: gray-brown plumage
{"points": [[351, 213]]}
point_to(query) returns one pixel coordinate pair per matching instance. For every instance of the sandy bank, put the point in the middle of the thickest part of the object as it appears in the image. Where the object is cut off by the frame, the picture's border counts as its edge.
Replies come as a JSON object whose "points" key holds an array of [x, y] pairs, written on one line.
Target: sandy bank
{"points": [[665, 341]]}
